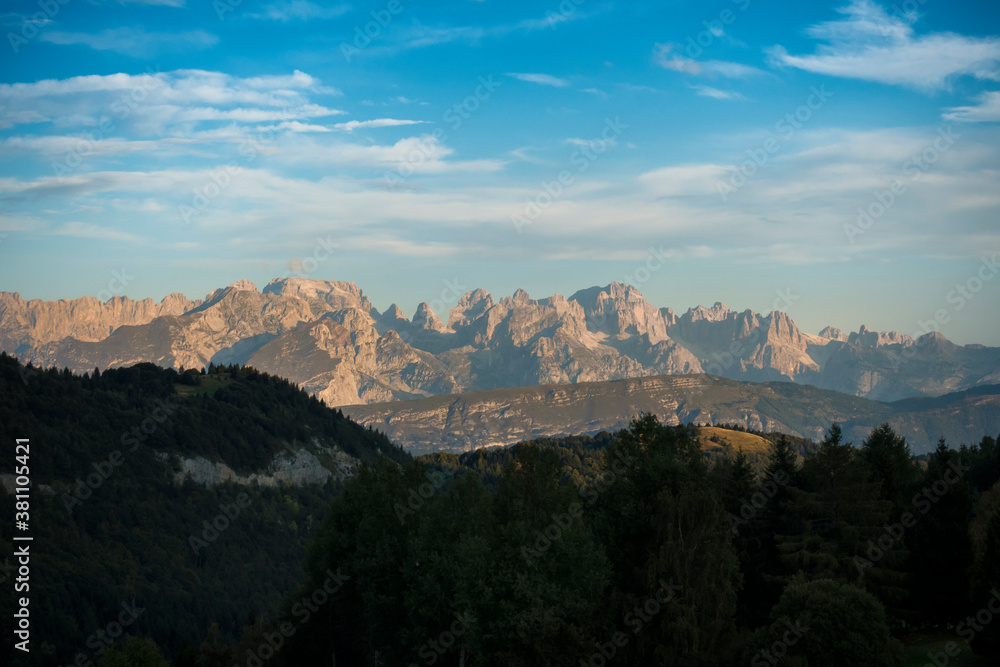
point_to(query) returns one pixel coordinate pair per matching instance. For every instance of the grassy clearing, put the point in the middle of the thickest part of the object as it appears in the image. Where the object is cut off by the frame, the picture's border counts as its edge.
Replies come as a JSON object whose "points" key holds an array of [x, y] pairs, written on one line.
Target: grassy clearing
{"points": [[733, 440]]}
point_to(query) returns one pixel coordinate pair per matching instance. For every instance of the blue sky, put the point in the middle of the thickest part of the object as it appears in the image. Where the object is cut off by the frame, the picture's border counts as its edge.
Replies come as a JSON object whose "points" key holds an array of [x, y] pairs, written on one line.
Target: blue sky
{"points": [[837, 161]]}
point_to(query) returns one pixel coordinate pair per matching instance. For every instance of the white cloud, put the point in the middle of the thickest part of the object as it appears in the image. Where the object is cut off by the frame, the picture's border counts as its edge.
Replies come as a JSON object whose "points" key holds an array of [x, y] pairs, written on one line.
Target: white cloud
{"points": [[988, 110], [869, 44], [159, 101], [543, 79], [135, 42], [792, 210], [352, 125]]}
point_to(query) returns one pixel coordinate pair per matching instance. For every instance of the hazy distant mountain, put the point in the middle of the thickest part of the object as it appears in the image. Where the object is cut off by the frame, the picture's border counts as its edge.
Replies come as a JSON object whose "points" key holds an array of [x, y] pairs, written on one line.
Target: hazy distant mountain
{"points": [[327, 337], [506, 416]]}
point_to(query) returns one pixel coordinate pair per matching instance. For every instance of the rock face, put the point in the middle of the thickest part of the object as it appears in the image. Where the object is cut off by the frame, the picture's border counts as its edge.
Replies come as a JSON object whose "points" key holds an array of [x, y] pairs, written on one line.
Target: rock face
{"points": [[24, 325], [327, 337], [297, 468]]}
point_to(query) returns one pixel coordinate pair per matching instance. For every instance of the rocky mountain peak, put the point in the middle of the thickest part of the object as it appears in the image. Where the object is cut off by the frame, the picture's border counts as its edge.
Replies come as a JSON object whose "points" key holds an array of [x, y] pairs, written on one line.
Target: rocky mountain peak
{"points": [[717, 313], [865, 337], [470, 307], [833, 333], [335, 294], [394, 312], [425, 318], [244, 285], [620, 309]]}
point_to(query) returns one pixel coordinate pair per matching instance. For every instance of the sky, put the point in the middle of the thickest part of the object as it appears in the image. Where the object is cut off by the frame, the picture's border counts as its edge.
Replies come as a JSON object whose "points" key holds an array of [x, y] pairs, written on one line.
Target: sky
{"points": [[839, 161]]}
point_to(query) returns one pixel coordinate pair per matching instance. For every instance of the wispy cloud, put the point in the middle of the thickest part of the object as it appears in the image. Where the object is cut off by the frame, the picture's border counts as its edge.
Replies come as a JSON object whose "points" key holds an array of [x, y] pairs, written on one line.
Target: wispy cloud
{"points": [[543, 79], [135, 42], [869, 44], [716, 94], [299, 10], [988, 110], [420, 35], [164, 3], [90, 231], [678, 63]]}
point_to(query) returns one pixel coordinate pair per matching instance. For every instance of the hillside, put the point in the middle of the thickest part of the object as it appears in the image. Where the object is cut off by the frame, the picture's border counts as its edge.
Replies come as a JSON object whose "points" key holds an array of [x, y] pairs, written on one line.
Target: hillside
{"points": [[126, 469], [506, 416]]}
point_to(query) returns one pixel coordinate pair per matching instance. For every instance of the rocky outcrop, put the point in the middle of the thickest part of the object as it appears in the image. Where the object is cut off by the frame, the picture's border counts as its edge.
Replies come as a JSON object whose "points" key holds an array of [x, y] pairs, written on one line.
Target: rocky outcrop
{"points": [[297, 468]]}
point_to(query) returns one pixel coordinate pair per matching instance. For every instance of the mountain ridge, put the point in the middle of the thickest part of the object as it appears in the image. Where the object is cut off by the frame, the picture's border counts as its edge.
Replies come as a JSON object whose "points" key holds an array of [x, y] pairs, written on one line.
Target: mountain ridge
{"points": [[327, 337], [502, 417]]}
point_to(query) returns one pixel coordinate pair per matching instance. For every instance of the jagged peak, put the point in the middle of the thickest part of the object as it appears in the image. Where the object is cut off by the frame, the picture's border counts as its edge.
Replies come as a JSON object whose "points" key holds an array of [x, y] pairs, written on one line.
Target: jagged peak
{"points": [[718, 312], [833, 333], [310, 287], [470, 306], [425, 318], [615, 291], [475, 296], [394, 312], [244, 285], [865, 337]]}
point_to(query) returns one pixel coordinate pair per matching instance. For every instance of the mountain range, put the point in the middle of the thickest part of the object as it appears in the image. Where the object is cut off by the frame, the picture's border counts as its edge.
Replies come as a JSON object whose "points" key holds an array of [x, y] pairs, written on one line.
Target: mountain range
{"points": [[327, 337]]}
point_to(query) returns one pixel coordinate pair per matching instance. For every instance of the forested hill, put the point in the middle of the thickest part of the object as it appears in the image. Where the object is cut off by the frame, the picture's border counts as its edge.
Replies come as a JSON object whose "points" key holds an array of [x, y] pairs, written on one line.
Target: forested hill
{"points": [[112, 525]]}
